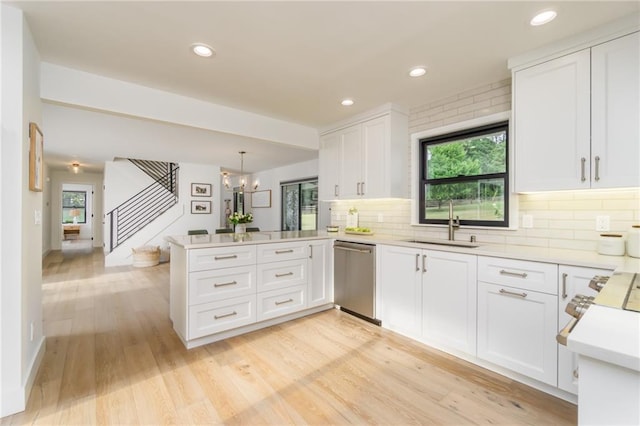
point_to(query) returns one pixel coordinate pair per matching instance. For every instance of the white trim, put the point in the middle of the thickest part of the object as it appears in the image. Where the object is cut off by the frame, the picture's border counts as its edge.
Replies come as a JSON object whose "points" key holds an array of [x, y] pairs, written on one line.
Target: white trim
{"points": [[462, 125], [362, 117]]}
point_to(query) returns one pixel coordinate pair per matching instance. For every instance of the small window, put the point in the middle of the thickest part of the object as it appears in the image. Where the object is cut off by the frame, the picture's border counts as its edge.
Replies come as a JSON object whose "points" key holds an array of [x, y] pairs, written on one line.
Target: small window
{"points": [[470, 168], [74, 208]]}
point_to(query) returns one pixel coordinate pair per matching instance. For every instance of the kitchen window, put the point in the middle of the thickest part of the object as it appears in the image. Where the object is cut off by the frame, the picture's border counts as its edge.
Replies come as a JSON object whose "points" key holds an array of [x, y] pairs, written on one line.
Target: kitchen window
{"points": [[469, 167], [74, 207]]}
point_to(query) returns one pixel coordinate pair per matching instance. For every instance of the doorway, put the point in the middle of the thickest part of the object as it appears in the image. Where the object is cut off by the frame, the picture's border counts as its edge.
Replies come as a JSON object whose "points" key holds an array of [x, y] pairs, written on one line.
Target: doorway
{"points": [[77, 216], [299, 205]]}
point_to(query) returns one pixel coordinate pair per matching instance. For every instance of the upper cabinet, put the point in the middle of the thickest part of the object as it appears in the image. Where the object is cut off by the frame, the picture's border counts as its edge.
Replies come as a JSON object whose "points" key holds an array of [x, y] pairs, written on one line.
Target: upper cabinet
{"points": [[366, 158], [576, 119]]}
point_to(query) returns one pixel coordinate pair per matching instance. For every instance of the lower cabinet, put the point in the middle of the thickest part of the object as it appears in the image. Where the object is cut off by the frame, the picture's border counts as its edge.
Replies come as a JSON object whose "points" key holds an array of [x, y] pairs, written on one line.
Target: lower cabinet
{"points": [[429, 295], [214, 317], [219, 289], [280, 302], [320, 273], [517, 325], [399, 287], [572, 280], [449, 300]]}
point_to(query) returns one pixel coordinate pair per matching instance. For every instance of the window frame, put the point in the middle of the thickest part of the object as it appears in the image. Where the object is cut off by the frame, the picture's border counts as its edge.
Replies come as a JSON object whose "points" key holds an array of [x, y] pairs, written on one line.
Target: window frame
{"points": [[84, 207], [464, 133]]}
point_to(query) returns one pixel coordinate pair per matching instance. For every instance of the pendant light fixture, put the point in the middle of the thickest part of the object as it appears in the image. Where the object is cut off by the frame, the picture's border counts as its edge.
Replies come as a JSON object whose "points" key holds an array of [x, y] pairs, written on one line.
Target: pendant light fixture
{"points": [[242, 181]]}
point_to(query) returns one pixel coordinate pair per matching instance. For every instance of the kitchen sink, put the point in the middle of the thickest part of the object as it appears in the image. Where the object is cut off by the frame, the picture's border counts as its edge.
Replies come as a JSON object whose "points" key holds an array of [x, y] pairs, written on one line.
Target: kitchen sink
{"points": [[446, 243]]}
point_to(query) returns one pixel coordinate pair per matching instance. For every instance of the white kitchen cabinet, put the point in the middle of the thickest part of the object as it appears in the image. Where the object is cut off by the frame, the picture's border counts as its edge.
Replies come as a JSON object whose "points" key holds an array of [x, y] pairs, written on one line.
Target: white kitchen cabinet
{"points": [[366, 158], [615, 113], [429, 295], [449, 300], [552, 125], [320, 273], [572, 280], [576, 119], [399, 284], [517, 325], [218, 292], [330, 167]]}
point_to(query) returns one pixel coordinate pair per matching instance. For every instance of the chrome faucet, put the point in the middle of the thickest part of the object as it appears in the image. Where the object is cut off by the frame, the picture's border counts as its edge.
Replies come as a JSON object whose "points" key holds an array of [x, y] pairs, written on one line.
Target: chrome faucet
{"points": [[454, 224]]}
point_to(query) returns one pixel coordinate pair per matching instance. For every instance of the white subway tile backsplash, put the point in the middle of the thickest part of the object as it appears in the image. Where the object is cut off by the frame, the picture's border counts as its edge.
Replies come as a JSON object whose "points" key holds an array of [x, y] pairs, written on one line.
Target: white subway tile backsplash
{"points": [[563, 219]]}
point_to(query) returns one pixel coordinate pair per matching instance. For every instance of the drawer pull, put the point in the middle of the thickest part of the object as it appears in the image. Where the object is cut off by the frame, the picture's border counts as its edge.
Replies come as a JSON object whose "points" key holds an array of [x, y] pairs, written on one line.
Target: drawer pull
{"points": [[286, 274], [564, 286], [284, 301], [513, 274], [225, 284], [233, 256], [225, 315], [284, 251], [511, 293], [417, 261]]}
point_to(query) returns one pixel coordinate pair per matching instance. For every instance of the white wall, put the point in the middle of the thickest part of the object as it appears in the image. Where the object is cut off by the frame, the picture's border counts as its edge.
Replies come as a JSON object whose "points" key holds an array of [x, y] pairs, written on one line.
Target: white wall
{"points": [[21, 237], [123, 180], [46, 212], [268, 219]]}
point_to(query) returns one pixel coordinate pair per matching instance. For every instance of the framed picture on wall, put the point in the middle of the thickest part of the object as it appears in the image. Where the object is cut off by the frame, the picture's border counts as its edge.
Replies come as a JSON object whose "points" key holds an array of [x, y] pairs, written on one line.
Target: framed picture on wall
{"points": [[261, 199], [201, 207], [201, 190], [36, 141]]}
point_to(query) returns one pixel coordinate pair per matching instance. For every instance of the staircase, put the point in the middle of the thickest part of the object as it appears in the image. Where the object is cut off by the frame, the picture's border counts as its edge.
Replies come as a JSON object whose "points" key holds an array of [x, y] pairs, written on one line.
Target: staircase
{"points": [[143, 208]]}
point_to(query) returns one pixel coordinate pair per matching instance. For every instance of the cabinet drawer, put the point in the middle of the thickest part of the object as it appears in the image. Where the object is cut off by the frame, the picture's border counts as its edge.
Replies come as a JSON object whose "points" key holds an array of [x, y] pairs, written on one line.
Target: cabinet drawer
{"points": [[221, 257], [282, 251], [214, 317], [219, 284], [275, 303], [282, 274], [522, 274]]}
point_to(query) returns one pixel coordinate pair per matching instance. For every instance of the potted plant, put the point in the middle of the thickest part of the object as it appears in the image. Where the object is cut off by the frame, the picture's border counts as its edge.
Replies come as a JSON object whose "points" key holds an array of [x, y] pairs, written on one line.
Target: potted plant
{"points": [[240, 221]]}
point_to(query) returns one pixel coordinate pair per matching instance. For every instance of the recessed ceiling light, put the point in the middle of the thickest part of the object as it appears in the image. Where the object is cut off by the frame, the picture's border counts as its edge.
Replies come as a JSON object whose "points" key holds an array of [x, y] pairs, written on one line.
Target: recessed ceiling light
{"points": [[417, 71], [347, 102], [543, 18], [202, 50]]}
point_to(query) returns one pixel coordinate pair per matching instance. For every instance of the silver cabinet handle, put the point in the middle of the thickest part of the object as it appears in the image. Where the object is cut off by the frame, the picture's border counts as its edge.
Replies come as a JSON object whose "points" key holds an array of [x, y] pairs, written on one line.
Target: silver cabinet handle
{"points": [[284, 251], [225, 315], [335, 190], [284, 301], [310, 251], [233, 256], [511, 293], [286, 274], [351, 249], [597, 178], [513, 274], [583, 162], [361, 188], [576, 374], [358, 188], [225, 284], [417, 261], [564, 286], [424, 263]]}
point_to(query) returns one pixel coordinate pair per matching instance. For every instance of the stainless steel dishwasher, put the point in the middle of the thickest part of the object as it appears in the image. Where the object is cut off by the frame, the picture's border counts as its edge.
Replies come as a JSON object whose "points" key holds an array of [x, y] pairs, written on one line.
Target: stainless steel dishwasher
{"points": [[355, 279]]}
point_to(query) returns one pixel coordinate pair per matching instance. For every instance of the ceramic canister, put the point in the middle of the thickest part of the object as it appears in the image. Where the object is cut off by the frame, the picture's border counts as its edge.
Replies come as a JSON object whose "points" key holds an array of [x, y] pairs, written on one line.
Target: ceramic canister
{"points": [[633, 241], [611, 244]]}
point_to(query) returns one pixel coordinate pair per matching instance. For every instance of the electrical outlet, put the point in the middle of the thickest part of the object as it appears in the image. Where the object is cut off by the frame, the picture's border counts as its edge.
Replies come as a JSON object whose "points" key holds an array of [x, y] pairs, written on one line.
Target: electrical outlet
{"points": [[527, 221], [602, 223], [380, 217]]}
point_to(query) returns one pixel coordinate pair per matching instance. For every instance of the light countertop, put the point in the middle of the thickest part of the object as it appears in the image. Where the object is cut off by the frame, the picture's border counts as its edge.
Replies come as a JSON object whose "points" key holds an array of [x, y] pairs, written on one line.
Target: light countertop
{"points": [[608, 334], [582, 258]]}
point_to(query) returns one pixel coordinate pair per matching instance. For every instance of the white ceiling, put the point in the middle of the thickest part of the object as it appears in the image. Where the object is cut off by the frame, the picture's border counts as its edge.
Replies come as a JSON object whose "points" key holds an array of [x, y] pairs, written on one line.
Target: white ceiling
{"points": [[296, 60]]}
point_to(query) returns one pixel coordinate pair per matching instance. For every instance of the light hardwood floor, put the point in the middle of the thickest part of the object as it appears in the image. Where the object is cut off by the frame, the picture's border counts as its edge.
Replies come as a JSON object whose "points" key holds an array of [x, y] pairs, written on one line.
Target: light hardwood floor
{"points": [[113, 358]]}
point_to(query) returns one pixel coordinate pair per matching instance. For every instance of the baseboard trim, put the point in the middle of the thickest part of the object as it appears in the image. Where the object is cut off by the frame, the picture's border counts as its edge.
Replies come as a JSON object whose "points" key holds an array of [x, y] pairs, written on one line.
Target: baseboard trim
{"points": [[36, 362], [15, 400]]}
